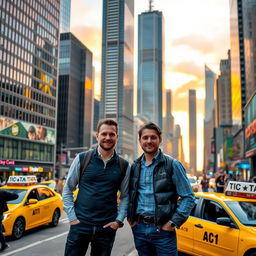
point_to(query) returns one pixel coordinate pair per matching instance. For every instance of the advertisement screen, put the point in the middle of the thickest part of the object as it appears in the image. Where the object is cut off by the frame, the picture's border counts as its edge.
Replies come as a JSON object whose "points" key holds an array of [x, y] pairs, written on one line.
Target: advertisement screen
{"points": [[25, 130]]}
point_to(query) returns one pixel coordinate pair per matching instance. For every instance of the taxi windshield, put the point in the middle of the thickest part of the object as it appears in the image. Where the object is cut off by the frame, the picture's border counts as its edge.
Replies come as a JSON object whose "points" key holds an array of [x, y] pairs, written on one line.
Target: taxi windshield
{"points": [[244, 211], [21, 193]]}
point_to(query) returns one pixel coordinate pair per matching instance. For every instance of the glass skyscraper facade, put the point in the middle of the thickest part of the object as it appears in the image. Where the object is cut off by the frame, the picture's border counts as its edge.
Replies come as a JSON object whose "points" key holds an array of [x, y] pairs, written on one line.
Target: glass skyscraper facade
{"points": [[65, 8], [150, 66], [117, 69], [28, 75], [192, 132], [75, 102], [238, 79]]}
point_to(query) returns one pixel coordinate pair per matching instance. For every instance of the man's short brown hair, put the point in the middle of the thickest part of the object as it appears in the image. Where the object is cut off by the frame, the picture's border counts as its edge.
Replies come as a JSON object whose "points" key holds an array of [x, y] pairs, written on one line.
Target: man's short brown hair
{"points": [[107, 121], [150, 126]]}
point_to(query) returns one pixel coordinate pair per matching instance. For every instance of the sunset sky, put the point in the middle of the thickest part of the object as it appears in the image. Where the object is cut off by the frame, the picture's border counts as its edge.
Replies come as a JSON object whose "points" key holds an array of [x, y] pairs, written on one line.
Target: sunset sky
{"points": [[196, 34]]}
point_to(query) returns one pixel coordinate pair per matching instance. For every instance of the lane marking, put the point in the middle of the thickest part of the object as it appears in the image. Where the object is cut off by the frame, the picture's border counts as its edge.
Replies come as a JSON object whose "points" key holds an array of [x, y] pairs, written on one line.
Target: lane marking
{"points": [[34, 244]]}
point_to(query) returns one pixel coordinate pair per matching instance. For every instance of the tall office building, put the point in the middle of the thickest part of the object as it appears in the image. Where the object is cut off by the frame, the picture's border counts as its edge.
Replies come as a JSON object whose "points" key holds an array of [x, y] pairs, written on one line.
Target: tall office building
{"points": [[65, 8], [150, 65], [177, 150], [238, 78], [249, 22], [210, 78], [28, 75], [117, 70], [192, 131], [224, 103], [75, 103], [168, 125]]}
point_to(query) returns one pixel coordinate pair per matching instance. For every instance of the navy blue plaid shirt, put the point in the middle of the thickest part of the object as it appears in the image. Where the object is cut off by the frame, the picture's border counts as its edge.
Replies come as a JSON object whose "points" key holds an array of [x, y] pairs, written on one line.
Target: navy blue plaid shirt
{"points": [[146, 199]]}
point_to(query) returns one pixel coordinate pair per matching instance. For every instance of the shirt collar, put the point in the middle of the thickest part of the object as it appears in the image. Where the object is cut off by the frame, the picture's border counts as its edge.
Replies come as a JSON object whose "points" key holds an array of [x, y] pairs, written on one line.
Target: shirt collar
{"points": [[100, 155], [155, 158]]}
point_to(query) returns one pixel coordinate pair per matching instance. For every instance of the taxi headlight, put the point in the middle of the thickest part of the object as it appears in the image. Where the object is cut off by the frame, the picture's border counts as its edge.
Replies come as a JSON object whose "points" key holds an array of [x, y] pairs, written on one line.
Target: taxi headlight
{"points": [[6, 215]]}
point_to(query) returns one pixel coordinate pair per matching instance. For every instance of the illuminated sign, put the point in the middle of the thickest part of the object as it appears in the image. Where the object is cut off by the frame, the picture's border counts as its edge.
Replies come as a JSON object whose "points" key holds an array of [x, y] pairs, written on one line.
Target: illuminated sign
{"points": [[14, 128], [7, 162], [18, 169]]}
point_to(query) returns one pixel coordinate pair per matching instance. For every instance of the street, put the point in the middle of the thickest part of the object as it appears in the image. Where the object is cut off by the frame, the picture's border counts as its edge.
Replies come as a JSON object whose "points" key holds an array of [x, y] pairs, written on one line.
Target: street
{"points": [[49, 241]]}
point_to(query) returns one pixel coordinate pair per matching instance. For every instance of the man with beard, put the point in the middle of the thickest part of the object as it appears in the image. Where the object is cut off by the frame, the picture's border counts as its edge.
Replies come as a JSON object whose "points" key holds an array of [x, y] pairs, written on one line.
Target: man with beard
{"points": [[94, 217], [156, 182]]}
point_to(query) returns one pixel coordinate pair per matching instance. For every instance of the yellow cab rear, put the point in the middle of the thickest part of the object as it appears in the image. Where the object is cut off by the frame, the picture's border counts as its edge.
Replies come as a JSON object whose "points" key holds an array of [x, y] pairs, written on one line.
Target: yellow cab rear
{"points": [[221, 224], [36, 205]]}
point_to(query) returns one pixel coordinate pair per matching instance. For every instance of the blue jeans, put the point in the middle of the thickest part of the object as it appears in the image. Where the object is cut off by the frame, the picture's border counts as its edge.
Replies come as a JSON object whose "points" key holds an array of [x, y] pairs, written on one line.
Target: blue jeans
{"points": [[151, 242], [80, 235]]}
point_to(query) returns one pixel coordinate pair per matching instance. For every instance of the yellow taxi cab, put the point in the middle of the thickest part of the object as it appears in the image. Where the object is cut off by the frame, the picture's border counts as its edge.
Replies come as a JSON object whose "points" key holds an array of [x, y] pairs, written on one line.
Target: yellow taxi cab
{"points": [[36, 205], [221, 224], [49, 183]]}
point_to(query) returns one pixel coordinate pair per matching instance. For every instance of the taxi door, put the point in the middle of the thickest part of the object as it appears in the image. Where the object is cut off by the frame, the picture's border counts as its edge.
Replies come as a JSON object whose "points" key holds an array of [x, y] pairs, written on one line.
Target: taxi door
{"points": [[185, 233], [32, 212], [46, 198], [185, 236], [211, 238]]}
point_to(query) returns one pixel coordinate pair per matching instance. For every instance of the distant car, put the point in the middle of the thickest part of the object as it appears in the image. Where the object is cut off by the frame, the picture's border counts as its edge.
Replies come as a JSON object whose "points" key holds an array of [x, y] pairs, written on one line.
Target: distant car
{"points": [[50, 183], [194, 184], [221, 224], [36, 205]]}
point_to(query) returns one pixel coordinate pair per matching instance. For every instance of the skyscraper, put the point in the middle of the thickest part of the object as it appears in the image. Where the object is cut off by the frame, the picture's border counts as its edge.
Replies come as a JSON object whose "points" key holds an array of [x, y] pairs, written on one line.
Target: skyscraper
{"points": [[192, 131], [150, 65], [168, 125], [28, 75], [117, 69], [65, 8], [224, 104], [238, 78], [210, 78], [75, 104]]}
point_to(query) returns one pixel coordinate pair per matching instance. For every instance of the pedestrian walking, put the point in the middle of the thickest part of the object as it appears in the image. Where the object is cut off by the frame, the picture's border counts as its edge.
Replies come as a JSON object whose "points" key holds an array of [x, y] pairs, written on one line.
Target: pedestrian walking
{"points": [[5, 196], [205, 183], [220, 184], [156, 182], [95, 217]]}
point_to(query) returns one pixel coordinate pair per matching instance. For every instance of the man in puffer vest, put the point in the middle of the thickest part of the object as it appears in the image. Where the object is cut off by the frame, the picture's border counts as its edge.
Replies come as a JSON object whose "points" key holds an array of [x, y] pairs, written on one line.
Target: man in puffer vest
{"points": [[157, 183]]}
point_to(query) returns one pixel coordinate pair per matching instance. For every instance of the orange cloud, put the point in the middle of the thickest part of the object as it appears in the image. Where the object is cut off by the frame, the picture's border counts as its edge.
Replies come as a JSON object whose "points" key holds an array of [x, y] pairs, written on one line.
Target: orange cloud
{"points": [[203, 44], [187, 67]]}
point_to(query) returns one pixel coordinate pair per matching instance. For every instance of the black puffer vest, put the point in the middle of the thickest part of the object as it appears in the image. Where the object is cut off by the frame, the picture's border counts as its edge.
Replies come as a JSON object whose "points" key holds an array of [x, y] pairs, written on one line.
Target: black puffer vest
{"points": [[164, 190]]}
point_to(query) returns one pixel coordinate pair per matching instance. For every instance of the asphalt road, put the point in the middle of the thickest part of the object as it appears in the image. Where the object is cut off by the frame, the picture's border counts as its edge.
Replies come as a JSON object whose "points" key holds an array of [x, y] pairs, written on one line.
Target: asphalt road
{"points": [[47, 241]]}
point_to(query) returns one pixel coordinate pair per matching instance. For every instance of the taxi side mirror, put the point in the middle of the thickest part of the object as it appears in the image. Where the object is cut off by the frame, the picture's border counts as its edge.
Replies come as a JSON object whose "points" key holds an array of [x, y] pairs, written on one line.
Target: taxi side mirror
{"points": [[224, 221], [32, 201]]}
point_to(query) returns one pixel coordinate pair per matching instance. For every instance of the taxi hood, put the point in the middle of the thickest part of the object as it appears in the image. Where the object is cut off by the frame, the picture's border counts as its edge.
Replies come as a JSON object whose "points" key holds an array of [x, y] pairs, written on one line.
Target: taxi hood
{"points": [[12, 206]]}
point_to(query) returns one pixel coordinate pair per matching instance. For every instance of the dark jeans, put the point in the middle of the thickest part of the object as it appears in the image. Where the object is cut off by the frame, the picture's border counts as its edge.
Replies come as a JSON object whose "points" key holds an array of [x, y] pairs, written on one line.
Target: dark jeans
{"points": [[82, 234], [150, 242], [2, 238]]}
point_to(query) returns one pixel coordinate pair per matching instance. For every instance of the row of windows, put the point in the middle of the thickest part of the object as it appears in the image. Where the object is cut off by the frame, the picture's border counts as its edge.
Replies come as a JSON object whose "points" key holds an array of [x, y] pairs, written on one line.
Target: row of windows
{"points": [[49, 9], [25, 150], [24, 115], [27, 104], [29, 92]]}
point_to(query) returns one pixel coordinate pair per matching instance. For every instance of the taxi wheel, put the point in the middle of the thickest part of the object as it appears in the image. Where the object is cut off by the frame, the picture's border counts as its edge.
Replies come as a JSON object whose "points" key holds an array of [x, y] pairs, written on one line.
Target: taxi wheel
{"points": [[55, 218], [18, 228]]}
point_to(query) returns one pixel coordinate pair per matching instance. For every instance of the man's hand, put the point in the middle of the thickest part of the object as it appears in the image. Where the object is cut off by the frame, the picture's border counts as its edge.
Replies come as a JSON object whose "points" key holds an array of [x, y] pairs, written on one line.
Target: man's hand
{"points": [[74, 222], [167, 227], [114, 225]]}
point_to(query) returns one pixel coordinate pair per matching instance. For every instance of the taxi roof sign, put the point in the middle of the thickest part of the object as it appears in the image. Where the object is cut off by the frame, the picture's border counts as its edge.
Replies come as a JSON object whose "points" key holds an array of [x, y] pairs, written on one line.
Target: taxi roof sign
{"points": [[241, 189], [22, 180]]}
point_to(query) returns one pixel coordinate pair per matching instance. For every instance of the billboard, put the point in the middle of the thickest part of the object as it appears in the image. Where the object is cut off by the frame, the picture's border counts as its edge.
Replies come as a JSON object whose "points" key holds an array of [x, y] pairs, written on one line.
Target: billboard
{"points": [[25, 130], [250, 127]]}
